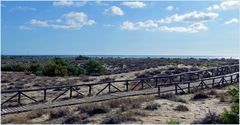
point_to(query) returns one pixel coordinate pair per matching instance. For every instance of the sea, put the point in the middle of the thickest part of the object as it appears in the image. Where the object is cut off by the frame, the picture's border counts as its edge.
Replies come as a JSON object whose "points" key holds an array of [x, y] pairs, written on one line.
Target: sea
{"points": [[135, 56]]}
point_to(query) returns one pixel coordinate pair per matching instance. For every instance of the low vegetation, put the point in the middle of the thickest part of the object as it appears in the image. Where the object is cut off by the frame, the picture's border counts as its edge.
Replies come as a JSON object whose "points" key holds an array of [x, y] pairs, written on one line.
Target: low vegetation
{"points": [[173, 121], [181, 108], [57, 67], [210, 118], [232, 116], [172, 97], [228, 116], [199, 95], [92, 109], [76, 119], [59, 113], [81, 57], [152, 106], [116, 119]]}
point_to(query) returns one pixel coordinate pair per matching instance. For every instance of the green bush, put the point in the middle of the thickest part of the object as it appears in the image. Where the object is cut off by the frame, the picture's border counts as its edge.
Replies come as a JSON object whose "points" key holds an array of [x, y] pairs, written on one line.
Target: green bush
{"points": [[94, 67], [234, 93], [75, 70], [15, 67], [36, 68], [81, 57], [59, 67], [232, 116], [56, 67]]}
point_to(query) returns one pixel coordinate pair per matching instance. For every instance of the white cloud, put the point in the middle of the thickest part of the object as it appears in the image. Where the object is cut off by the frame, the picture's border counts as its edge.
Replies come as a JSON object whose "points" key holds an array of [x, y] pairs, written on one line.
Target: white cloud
{"points": [[135, 4], [39, 23], [128, 26], [190, 17], [232, 21], [151, 25], [147, 25], [229, 4], [22, 8], [69, 3], [169, 8], [72, 21], [114, 10], [24, 28]]}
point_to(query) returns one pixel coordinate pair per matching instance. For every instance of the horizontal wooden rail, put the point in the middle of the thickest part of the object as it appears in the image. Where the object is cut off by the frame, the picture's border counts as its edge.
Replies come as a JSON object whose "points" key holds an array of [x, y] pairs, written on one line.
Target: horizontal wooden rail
{"points": [[222, 82], [140, 82], [115, 81]]}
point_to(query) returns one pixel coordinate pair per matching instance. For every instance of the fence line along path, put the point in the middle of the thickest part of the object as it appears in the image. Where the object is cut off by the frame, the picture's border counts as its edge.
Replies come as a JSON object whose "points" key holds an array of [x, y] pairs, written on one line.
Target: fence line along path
{"points": [[175, 83]]}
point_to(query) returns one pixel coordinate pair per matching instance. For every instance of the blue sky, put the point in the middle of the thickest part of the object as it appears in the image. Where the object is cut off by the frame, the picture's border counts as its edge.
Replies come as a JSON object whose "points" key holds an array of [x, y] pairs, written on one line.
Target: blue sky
{"points": [[120, 28]]}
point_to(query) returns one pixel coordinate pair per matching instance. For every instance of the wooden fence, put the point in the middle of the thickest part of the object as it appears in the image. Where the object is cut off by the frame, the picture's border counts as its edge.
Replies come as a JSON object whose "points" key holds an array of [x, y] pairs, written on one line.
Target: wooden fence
{"points": [[213, 82], [129, 85]]}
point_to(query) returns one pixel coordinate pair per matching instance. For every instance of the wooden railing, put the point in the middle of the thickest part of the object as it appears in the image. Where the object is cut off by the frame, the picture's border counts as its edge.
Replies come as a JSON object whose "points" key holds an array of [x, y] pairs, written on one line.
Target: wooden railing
{"points": [[128, 85], [186, 86]]}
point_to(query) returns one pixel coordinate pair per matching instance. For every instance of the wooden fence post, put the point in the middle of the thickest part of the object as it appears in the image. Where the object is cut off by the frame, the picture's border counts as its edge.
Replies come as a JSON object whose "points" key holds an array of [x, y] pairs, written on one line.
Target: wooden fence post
{"points": [[158, 90], [156, 82], [176, 89], [213, 82], [141, 84], [19, 97], [231, 79], [90, 90], [44, 94], [70, 92], [109, 87], [127, 85], [189, 87]]}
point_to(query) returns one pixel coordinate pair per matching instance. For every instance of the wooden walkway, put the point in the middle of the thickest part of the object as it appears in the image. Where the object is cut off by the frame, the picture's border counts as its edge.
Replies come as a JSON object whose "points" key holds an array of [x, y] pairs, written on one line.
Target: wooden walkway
{"points": [[223, 80]]}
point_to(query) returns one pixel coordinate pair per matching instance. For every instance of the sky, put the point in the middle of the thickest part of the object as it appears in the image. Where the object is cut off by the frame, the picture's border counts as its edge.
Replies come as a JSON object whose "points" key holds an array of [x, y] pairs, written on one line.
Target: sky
{"points": [[209, 28]]}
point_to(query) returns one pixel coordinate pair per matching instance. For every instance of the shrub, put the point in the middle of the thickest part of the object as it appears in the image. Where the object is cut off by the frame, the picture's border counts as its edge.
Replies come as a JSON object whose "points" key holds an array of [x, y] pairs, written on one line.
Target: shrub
{"points": [[136, 106], [210, 118], [56, 67], [76, 119], [81, 57], [92, 109], [152, 107], [15, 67], [36, 68], [232, 116], [59, 113], [172, 97], [199, 95], [173, 121], [234, 93], [182, 108], [94, 67], [75, 70], [116, 119]]}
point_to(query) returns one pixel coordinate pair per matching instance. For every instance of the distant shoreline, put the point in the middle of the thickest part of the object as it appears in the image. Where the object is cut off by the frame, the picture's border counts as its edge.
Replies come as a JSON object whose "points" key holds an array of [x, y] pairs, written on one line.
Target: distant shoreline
{"points": [[130, 56]]}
